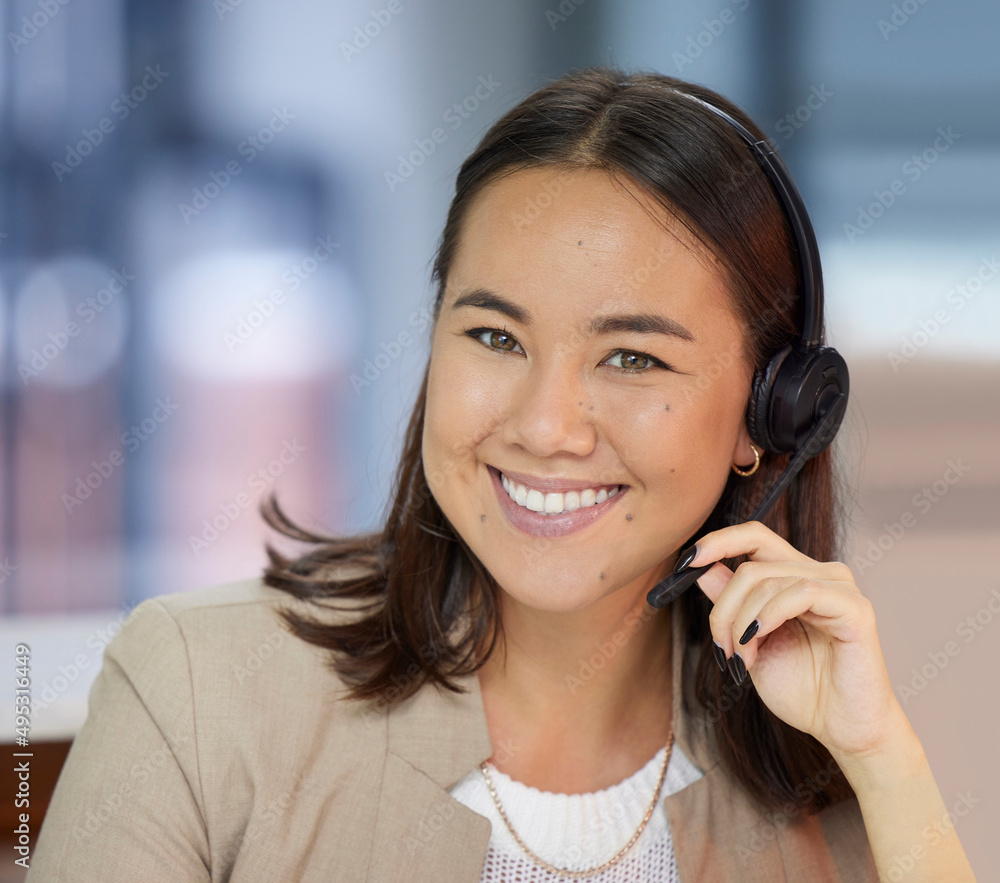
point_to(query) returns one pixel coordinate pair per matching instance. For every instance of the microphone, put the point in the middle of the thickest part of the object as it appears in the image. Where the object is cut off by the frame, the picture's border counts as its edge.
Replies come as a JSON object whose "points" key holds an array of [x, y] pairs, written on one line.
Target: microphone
{"points": [[672, 587]]}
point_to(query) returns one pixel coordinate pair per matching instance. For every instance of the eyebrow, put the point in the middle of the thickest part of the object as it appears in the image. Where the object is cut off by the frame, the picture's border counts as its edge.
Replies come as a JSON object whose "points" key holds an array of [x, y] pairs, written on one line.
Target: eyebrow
{"points": [[637, 323], [640, 323], [489, 300]]}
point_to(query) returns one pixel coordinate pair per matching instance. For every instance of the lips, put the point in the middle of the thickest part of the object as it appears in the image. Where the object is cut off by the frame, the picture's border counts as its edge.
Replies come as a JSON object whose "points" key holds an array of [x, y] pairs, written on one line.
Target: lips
{"points": [[552, 507]]}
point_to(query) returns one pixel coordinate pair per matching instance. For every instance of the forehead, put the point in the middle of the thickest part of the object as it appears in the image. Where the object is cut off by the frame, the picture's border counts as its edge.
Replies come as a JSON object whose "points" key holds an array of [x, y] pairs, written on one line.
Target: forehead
{"points": [[544, 231]]}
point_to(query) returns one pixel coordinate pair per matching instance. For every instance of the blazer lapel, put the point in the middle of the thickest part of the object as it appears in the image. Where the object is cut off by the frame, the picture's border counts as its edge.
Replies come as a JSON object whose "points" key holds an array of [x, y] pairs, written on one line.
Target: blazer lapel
{"points": [[423, 833]]}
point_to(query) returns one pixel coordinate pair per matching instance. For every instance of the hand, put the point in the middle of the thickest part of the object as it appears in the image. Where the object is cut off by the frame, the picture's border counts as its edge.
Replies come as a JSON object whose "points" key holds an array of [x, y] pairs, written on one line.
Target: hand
{"points": [[815, 658]]}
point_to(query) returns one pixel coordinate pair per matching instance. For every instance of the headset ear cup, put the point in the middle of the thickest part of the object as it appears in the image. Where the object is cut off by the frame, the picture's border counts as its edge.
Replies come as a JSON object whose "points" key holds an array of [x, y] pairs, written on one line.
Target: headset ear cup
{"points": [[759, 406], [804, 388]]}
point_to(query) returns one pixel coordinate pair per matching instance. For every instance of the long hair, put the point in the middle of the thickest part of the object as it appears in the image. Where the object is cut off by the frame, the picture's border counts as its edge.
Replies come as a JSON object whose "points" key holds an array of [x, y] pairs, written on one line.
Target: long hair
{"points": [[425, 609]]}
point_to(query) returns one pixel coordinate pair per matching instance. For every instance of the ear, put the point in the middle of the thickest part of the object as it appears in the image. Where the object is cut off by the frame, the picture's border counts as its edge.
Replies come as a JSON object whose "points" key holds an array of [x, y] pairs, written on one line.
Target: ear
{"points": [[743, 455]]}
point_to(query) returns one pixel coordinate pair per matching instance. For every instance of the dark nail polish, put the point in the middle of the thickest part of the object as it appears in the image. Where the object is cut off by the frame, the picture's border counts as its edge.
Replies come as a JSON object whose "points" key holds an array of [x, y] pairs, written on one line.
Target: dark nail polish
{"points": [[720, 655], [737, 669], [751, 631], [686, 557]]}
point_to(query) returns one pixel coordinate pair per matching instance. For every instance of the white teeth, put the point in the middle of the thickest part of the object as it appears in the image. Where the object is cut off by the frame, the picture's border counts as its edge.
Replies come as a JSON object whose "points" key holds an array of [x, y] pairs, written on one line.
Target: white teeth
{"points": [[535, 501], [554, 503]]}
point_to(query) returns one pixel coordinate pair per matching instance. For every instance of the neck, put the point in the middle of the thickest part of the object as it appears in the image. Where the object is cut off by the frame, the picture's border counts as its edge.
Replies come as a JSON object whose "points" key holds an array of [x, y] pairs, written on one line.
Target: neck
{"points": [[577, 701]]}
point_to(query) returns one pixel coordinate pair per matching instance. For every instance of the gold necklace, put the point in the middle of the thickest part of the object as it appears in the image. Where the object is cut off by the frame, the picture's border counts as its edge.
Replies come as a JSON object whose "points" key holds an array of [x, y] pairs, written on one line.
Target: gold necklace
{"points": [[576, 875]]}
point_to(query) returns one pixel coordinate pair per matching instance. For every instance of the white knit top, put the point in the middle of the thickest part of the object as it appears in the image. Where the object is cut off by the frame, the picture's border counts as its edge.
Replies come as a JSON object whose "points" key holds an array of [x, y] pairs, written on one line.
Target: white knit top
{"points": [[579, 831]]}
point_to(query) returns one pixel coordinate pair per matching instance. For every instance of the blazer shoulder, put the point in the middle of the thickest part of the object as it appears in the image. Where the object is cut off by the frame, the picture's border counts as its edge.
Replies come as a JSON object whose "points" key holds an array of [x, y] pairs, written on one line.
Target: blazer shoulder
{"points": [[252, 590], [226, 655], [238, 597], [217, 734], [234, 604], [225, 638]]}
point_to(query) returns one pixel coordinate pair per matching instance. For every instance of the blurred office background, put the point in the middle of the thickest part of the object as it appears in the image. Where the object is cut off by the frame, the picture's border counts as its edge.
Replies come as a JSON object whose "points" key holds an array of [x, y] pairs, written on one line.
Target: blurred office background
{"points": [[212, 285]]}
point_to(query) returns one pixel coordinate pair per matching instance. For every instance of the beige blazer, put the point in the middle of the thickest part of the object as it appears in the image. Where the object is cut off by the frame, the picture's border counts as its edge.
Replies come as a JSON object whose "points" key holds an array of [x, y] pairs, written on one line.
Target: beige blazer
{"points": [[217, 748]]}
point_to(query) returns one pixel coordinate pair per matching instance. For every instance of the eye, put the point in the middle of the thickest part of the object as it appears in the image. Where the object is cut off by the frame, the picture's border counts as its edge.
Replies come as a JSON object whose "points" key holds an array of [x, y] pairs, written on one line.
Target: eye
{"points": [[495, 339], [633, 362]]}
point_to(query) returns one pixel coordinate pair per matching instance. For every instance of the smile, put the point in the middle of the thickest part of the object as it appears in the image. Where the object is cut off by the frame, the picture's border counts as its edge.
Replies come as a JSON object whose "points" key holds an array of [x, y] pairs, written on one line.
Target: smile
{"points": [[552, 507], [552, 503]]}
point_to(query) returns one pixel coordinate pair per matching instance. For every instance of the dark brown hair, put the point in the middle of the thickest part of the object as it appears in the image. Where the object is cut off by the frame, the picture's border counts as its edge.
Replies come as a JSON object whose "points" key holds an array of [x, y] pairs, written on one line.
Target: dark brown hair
{"points": [[421, 615]]}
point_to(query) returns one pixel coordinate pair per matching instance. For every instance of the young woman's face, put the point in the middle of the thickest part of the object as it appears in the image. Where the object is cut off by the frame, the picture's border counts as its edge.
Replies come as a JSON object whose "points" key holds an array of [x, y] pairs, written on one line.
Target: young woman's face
{"points": [[587, 388]]}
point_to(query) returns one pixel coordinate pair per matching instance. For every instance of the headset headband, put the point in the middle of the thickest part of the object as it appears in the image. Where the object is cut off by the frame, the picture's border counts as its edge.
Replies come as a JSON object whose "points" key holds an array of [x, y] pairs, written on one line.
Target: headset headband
{"points": [[810, 271]]}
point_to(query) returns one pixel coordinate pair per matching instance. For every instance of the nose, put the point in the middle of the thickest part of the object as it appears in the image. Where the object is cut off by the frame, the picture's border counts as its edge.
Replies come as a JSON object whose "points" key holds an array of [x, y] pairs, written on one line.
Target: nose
{"points": [[550, 414]]}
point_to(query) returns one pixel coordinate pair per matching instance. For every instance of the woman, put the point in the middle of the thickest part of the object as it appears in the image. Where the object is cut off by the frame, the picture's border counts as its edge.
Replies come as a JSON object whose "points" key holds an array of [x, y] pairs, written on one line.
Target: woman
{"points": [[481, 690]]}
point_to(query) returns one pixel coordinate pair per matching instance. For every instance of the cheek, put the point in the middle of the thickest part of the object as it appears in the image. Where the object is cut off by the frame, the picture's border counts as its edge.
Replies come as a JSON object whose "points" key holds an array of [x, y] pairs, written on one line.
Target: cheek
{"points": [[441, 429], [681, 439], [459, 414]]}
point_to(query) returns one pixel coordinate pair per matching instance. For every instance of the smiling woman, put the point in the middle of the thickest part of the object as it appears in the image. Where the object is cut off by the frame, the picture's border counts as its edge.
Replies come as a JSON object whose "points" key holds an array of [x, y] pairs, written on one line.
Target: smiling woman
{"points": [[481, 691]]}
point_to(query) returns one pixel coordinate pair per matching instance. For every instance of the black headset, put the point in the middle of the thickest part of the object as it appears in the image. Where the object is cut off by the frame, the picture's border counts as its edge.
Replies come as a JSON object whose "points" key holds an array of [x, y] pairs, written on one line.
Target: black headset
{"points": [[798, 400], [796, 389]]}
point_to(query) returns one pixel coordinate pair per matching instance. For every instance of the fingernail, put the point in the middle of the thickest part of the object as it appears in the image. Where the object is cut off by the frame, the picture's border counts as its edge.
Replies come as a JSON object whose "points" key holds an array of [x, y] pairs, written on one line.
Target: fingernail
{"points": [[751, 631], [720, 655], [687, 556], [737, 669]]}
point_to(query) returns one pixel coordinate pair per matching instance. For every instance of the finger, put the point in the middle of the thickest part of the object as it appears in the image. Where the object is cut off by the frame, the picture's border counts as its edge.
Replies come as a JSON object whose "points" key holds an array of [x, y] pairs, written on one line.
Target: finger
{"points": [[751, 587], [829, 606], [714, 580], [750, 538]]}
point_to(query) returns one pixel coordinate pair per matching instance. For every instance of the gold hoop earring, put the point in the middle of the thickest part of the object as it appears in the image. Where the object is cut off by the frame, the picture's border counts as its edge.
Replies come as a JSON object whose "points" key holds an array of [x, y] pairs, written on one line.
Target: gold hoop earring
{"points": [[746, 473]]}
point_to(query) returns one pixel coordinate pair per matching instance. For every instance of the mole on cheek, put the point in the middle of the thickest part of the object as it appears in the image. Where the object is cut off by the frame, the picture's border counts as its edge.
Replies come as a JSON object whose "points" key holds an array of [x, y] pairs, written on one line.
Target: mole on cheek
{"points": [[482, 517], [628, 517], [602, 576], [666, 407]]}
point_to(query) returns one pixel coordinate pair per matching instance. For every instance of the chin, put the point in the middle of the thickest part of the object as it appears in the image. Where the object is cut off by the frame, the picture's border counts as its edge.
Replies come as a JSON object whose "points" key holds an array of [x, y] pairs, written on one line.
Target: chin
{"points": [[562, 587], [549, 599]]}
